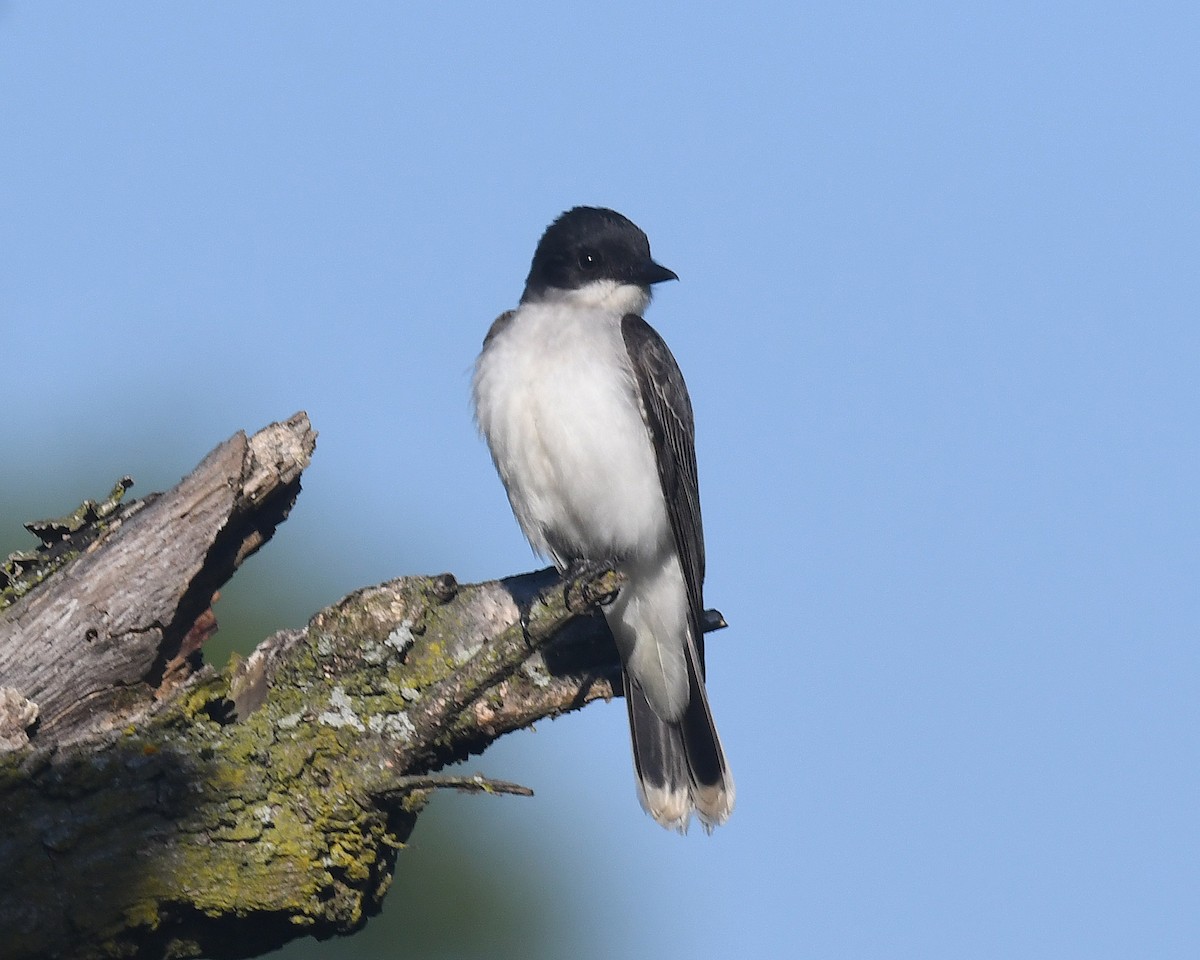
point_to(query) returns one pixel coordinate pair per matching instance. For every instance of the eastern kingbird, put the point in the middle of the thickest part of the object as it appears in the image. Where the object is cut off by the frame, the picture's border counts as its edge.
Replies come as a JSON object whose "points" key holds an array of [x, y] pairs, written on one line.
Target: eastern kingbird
{"points": [[590, 427]]}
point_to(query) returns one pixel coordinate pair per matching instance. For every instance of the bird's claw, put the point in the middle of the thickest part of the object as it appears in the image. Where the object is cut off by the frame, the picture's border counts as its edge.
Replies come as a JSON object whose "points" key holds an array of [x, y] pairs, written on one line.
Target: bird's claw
{"points": [[579, 591]]}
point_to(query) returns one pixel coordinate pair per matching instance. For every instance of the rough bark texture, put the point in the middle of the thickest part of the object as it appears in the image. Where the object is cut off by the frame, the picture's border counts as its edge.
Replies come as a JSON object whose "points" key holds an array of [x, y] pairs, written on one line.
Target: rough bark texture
{"points": [[157, 808]]}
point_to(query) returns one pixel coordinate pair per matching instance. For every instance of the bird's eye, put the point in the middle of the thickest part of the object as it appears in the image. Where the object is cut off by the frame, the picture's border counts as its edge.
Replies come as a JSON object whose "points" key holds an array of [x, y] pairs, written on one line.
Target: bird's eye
{"points": [[589, 259]]}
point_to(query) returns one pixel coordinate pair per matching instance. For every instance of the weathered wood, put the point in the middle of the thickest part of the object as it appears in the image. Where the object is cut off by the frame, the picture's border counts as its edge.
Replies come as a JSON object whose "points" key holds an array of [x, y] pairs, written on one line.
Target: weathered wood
{"points": [[159, 808], [99, 642], [205, 832]]}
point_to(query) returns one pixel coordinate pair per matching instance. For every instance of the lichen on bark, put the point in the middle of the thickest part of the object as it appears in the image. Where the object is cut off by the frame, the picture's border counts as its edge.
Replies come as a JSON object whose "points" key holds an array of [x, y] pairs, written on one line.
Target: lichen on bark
{"points": [[175, 810]]}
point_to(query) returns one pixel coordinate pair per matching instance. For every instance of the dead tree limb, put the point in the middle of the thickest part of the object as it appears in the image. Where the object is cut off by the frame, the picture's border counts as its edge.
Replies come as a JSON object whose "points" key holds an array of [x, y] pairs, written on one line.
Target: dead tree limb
{"points": [[155, 807]]}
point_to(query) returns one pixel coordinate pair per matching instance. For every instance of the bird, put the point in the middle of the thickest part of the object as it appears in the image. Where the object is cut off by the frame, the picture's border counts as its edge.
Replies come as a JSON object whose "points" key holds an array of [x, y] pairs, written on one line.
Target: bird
{"points": [[590, 426]]}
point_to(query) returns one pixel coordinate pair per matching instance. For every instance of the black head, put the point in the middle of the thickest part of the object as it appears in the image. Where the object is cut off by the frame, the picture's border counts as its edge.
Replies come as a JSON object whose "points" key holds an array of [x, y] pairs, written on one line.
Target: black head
{"points": [[592, 243]]}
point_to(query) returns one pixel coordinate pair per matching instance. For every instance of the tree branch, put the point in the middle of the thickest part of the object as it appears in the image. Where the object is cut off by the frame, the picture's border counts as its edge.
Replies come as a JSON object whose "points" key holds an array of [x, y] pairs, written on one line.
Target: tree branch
{"points": [[159, 808]]}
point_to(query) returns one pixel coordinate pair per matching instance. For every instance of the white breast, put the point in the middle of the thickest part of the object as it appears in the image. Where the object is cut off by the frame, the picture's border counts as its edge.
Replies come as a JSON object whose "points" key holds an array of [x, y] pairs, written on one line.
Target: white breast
{"points": [[556, 400]]}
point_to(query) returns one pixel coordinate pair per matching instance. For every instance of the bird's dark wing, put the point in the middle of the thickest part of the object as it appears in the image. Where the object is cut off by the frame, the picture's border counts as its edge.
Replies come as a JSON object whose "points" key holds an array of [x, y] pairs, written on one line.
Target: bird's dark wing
{"points": [[498, 326], [667, 410]]}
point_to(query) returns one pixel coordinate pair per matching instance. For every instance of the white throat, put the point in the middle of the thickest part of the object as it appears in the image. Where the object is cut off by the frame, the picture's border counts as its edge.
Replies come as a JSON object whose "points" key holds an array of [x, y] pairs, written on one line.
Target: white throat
{"points": [[607, 295]]}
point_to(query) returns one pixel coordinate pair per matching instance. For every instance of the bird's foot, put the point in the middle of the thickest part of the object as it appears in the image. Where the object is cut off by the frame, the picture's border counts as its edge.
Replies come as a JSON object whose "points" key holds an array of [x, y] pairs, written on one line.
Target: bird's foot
{"points": [[579, 587]]}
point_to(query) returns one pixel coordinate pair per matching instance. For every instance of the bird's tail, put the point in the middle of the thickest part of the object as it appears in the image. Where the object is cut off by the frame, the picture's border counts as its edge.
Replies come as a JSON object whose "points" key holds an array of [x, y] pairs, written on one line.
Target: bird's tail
{"points": [[680, 765]]}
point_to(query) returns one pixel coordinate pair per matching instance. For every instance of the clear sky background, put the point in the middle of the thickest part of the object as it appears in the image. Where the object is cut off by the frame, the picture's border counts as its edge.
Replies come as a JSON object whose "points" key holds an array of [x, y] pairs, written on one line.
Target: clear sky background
{"points": [[938, 315]]}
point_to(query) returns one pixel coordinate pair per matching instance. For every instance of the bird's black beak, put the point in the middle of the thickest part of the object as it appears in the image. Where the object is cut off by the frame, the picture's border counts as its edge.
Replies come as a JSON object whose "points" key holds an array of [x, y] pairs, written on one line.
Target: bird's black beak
{"points": [[651, 272]]}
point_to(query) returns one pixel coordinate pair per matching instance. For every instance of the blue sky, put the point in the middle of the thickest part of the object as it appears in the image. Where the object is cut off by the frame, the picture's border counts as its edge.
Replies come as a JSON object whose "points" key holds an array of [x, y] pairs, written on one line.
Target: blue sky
{"points": [[938, 315]]}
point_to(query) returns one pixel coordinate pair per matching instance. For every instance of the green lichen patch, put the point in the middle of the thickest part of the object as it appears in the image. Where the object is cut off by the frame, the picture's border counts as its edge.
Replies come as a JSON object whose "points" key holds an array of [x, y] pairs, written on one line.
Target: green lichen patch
{"points": [[285, 818], [62, 539]]}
